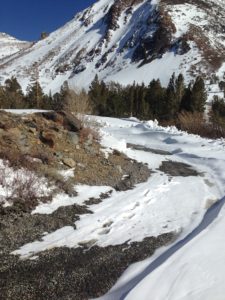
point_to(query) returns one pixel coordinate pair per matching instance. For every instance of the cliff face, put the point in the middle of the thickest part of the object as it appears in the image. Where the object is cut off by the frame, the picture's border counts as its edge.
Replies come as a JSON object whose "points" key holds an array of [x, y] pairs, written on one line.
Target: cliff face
{"points": [[127, 40]]}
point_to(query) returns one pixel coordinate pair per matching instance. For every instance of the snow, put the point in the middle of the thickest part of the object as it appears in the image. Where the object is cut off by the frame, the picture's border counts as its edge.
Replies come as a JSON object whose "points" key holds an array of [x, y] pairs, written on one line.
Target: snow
{"points": [[9, 45], [184, 15], [84, 193], [162, 204], [24, 111]]}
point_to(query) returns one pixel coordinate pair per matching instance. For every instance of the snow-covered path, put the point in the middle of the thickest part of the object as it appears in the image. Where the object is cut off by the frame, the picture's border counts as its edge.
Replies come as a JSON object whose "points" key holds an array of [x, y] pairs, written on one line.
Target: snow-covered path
{"points": [[193, 267]]}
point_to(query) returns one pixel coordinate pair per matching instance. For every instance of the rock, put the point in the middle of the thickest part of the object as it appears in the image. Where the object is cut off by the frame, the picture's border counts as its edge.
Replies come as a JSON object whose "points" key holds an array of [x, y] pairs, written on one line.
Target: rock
{"points": [[82, 166], [33, 130], [73, 137], [119, 168], [52, 116], [70, 122], [59, 155], [69, 162], [48, 138], [89, 140], [175, 168], [90, 150]]}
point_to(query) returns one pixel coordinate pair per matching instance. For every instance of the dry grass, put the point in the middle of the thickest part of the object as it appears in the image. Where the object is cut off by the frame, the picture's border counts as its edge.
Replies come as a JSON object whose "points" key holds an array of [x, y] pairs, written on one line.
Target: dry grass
{"points": [[196, 124], [88, 133]]}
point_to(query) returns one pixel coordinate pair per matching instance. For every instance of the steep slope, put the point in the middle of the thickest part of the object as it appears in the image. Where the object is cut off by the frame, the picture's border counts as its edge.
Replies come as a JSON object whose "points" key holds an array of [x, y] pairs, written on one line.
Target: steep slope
{"points": [[9, 45], [127, 40]]}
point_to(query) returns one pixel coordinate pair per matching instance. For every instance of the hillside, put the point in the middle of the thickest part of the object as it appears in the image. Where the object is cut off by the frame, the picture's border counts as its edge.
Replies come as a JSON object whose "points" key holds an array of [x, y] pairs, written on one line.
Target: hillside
{"points": [[124, 40]]}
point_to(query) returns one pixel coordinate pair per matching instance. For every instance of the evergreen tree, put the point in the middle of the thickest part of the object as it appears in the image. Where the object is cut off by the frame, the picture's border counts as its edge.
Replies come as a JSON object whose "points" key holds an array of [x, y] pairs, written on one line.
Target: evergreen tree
{"points": [[2, 97], [198, 96], [155, 99], [185, 104], [13, 95], [218, 111], [170, 102], [98, 95], [180, 89], [35, 96]]}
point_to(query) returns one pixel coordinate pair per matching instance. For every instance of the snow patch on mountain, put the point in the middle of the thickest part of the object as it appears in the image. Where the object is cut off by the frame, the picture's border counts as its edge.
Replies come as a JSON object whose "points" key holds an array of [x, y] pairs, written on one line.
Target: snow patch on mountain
{"points": [[10, 45], [126, 41]]}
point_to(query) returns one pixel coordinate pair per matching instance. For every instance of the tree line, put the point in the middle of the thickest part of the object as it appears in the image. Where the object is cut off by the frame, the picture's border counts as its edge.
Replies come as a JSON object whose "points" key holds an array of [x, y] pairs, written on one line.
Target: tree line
{"points": [[12, 97], [115, 100], [147, 102]]}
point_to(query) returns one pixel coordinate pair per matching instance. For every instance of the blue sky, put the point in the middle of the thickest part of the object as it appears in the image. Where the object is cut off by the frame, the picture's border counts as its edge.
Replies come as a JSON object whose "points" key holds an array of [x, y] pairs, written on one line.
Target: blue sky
{"points": [[26, 19]]}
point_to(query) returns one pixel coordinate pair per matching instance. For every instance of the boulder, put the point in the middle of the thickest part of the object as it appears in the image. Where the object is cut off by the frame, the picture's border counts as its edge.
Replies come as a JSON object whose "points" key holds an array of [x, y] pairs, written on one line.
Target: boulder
{"points": [[69, 162], [48, 138], [73, 138], [70, 122]]}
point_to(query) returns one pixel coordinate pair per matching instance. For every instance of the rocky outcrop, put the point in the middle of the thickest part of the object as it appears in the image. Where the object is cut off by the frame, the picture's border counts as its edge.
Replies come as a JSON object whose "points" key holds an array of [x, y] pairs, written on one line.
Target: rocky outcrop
{"points": [[58, 141], [153, 46]]}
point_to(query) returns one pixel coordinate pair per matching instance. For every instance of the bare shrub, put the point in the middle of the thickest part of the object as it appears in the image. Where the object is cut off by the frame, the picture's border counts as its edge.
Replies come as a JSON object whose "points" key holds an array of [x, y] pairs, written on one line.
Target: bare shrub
{"points": [[55, 178], [196, 124], [88, 133], [23, 186], [191, 122], [78, 102]]}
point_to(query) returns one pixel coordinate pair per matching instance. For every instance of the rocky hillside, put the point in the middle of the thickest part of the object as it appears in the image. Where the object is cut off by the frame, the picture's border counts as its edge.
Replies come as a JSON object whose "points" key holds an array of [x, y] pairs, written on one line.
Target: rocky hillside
{"points": [[127, 40]]}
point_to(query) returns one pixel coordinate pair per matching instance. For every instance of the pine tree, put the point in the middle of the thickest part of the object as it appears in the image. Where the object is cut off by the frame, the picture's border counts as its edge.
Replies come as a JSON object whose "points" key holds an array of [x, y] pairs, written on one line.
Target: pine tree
{"points": [[171, 106], [131, 99], [185, 104], [35, 96], [98, 94], [13, 95], [198, 96], [155, 99], [180, 89], [2, 97]]}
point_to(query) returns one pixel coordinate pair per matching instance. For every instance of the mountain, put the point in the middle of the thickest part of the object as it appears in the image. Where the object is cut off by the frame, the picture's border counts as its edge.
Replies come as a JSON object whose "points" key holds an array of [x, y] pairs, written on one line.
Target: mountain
{"points": [[127, 40], [10, 45]]}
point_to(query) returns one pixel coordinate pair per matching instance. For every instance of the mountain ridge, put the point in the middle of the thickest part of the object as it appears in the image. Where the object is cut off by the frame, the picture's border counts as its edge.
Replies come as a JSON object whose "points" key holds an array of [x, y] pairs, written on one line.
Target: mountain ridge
{"points": [[127, 40]]}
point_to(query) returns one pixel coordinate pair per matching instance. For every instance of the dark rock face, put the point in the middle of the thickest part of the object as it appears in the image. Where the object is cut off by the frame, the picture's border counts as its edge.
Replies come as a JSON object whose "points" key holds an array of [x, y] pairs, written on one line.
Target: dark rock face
{"points": [[69, 121], [156, 44], [115, 12]]}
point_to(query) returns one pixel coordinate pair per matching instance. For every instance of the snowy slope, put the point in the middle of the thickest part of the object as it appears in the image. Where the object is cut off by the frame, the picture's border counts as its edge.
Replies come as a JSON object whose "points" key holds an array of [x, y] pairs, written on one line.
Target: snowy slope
{"points": [[9, 45], [126, 40]]}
